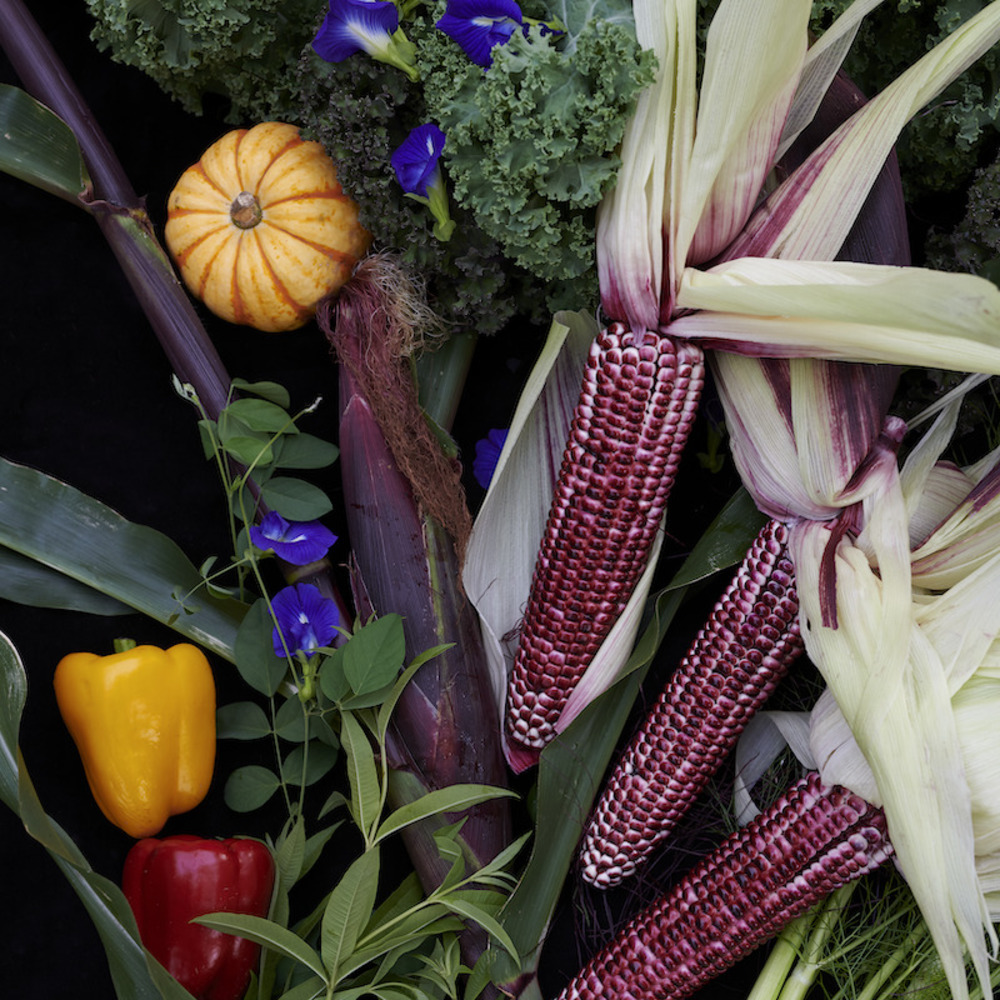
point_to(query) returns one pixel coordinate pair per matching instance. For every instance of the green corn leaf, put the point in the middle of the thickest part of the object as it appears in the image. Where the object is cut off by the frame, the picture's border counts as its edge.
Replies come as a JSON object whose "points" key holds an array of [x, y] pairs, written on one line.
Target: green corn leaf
{"points": [[38, 147], [267, 933], [80, 538], [28, 582], [348, 910], [454, 798], [366, 796]]}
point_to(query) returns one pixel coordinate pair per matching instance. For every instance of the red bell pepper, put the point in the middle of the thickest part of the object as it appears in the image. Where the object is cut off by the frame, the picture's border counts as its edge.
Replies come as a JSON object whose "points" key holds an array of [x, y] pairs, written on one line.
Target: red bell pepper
{"points": [[168, 882]]}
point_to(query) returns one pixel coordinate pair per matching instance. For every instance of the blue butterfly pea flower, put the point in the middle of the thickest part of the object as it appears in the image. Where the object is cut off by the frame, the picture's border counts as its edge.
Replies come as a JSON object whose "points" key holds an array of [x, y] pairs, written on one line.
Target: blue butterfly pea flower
{"points": [[479, 25], [418, 169], [370, 26], [306, 620], [297, 542], [487, 455]]}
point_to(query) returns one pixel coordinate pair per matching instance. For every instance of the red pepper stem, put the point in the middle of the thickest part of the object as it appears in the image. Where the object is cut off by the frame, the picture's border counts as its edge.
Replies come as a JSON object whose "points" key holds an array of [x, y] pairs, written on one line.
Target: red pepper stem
{"points": [[123, 645]]}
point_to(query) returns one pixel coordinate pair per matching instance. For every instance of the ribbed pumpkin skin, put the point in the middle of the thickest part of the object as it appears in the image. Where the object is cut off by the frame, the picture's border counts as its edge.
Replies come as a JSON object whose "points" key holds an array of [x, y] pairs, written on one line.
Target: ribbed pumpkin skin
{"points": [[305, 246]]}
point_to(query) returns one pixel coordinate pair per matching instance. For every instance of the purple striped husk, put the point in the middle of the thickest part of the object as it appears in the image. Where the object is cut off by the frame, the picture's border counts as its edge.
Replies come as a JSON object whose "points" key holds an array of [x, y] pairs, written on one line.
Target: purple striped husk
{"points": [[747, 645], [637, 404], [813, 840]]}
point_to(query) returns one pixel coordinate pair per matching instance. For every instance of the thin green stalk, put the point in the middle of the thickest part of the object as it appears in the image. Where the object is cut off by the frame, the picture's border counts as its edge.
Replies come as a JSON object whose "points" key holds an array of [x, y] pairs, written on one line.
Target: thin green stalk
{"points": [[784, 954]]}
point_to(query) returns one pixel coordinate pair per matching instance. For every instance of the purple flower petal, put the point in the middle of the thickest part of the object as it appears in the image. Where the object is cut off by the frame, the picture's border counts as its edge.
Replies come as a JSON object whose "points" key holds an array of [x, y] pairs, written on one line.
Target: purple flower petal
{"points": [[297, 542], [306, 619], [478, 25], [416, 159], [355, 26], [487, 455]]}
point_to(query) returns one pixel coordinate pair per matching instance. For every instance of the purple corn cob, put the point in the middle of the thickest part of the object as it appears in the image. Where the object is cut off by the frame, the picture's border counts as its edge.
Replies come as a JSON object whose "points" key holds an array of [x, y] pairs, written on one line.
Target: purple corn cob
{"points": [[638, 401], [813, 840], [745, 648]]}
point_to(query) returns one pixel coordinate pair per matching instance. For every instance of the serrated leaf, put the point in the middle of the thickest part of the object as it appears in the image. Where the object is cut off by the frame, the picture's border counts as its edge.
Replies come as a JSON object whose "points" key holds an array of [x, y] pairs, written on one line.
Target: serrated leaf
{"points": [[241, 720], [268, 933], [366, 796], [250, 787], [294, 499], [375, 653], [453, 798], [348, 910], [289, 854]]}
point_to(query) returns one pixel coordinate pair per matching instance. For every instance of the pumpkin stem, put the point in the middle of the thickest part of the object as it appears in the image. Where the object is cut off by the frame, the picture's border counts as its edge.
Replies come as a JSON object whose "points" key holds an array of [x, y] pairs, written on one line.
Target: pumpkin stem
{"points": [[245, 210]]}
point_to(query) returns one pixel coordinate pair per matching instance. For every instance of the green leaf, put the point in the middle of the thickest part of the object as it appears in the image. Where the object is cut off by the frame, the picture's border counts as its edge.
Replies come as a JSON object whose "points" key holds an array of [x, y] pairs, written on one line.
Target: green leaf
{"points": [[294, 499], [335, 801], [271, 391], [319, 763], [305, 991], [28, 582], [314, 847], [332, 680], [254, 651], [241, 720], [267, 933], [208, 431], [290, 720], [724, 543], [56, 525], [366, 795], [249, 787], [488, 923], [453, 798], [348, 910], [289, 854], [305, 451], [249, 451], [374, 654], [39, 147], [260, 415]]}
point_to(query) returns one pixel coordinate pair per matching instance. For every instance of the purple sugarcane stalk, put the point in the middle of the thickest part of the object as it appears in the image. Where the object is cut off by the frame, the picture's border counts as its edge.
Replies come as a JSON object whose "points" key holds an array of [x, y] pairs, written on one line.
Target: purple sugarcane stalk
{"points": [[812, 841], [637, 404], [747, 645]]}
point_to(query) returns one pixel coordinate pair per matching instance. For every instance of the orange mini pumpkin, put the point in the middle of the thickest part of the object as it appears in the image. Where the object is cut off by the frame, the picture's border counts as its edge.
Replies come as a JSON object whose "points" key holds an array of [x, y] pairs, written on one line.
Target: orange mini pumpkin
{"points": [[260, 228]]}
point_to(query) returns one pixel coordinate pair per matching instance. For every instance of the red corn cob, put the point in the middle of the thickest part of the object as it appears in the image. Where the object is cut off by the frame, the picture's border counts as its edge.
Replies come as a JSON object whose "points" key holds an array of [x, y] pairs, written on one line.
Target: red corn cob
{"points": [[638, 401], [745, 648], [813, 840]]}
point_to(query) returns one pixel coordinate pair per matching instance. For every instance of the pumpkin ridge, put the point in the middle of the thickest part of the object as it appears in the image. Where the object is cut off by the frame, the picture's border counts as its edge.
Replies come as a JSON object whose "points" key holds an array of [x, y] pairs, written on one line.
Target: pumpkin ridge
{"points": [[199, 169], [239, 308], [307, 195], [181, 256], [334, 253], [293, 142], [280, 288]]}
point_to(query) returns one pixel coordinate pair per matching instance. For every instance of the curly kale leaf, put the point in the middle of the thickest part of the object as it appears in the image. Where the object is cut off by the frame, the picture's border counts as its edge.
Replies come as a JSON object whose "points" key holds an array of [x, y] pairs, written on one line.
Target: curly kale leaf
{"points": [[531, 142], [194, 47], [974, 244]]}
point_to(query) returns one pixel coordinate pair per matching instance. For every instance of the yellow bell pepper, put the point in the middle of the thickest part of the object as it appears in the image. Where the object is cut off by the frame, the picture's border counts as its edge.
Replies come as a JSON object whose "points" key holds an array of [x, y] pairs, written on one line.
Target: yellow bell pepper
{"points": [[143, 720]]}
